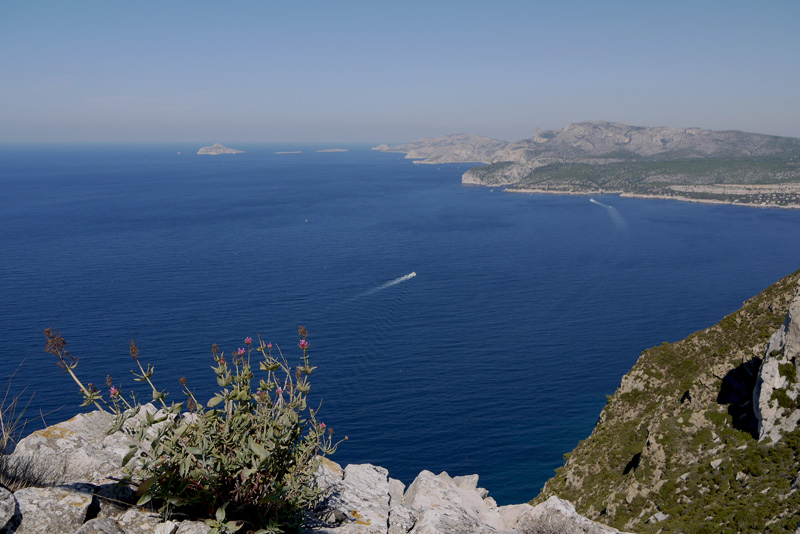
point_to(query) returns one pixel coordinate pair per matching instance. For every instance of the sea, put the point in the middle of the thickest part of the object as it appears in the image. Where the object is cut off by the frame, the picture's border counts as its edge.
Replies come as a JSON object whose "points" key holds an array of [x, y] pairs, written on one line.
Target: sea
{"points": [[455, 328]]}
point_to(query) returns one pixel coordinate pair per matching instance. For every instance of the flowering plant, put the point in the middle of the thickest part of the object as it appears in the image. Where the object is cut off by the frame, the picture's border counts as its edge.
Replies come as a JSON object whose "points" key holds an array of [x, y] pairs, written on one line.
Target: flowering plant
{"points": [[247, 457]]}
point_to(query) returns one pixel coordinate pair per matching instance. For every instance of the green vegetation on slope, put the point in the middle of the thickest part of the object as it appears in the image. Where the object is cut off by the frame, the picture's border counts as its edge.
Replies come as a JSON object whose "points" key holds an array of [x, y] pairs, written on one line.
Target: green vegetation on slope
{"points": [[654, 176], [678, 437]]}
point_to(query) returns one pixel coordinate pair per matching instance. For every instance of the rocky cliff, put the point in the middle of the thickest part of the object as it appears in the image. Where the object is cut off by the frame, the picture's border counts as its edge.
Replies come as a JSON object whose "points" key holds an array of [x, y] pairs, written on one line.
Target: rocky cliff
{"points": [[73, 469], [681, 446]]}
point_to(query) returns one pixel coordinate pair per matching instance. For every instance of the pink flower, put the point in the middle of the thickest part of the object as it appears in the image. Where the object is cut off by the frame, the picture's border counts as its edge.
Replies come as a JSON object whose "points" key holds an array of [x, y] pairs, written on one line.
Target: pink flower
{"points": [[279, 391], [248, 340], [241, 352], [269, 345], [113, 392], [303, 344], [322, 426]]}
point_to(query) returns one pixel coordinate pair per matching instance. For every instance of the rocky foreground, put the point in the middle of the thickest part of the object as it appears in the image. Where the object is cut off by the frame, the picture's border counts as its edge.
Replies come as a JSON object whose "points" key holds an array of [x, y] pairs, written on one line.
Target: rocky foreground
{"points": [[76, 467]]}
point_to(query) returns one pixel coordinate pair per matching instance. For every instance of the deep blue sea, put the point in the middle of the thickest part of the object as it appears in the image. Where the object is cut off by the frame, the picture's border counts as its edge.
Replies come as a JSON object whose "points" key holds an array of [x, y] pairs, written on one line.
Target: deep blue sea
{"points": [[495, 359]]}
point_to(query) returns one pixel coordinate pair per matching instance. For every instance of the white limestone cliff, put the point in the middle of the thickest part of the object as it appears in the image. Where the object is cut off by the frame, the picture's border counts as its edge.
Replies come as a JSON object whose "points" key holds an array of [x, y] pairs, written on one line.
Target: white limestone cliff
{"points": [[775, 398]]}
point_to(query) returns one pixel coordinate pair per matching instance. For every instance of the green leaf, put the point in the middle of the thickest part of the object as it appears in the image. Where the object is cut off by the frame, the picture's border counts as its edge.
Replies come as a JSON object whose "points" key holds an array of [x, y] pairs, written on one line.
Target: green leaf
{"points": [[216, 399], [220, 515], [144, 499], [260, 451], [129, 456], [148, 417], [233, 526], [145, 486]]}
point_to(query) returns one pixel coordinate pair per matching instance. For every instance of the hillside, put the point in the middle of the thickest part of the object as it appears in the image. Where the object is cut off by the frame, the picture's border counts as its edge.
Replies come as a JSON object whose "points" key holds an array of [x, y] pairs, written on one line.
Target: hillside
{"points": [[602, 157], [676, 448]]}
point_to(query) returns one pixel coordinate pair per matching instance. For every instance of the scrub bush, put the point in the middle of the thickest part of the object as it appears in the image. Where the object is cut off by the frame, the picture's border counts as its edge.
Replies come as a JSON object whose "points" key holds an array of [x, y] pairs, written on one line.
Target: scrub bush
{"points": [[247, 458]]}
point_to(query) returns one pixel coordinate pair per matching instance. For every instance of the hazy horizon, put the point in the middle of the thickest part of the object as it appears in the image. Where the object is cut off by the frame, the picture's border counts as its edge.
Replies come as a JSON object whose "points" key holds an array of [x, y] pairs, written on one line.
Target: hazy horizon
{"points": [[361, 72]]}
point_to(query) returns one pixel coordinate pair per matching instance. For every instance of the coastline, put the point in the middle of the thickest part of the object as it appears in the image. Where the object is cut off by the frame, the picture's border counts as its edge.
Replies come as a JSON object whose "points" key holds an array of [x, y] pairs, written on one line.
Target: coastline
{"points": [[658, 197]]}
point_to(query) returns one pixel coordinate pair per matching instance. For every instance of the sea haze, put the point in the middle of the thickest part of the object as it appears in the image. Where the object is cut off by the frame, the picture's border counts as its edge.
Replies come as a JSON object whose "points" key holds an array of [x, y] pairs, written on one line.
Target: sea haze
{"points": [[495, 359]]}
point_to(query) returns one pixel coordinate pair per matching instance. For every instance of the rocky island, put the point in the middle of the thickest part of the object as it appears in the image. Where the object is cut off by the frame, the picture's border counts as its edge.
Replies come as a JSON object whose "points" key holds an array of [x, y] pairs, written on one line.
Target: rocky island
{"points": [[216, 149], [606, 157]]}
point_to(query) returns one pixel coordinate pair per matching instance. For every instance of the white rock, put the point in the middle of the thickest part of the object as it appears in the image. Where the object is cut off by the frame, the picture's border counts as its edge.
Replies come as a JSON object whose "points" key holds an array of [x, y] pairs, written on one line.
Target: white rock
{"points": [[444, 507], [100, 525], [329, 474], [511, 513], [8, 507], [360, 503], [77, 450], [557, 513], [783, 349], [193, 527], [658, 517], [139, 521], [49, 510], [401, 517]]}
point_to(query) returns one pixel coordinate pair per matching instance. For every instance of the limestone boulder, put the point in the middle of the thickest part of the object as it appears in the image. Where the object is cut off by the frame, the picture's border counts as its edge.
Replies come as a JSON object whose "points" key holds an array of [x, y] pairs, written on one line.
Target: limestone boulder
{"points": [[401, 517], [77, 450], [444, 505], [359, 503], [8, 507], [558, 515], [100, 525], [48, 510], [139, 521]]}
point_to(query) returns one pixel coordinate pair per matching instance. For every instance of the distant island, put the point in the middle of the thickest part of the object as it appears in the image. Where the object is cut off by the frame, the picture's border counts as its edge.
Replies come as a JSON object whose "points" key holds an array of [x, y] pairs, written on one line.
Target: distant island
{"points": [[688, 164], [216, 149], [333, 150], [290, 152]]}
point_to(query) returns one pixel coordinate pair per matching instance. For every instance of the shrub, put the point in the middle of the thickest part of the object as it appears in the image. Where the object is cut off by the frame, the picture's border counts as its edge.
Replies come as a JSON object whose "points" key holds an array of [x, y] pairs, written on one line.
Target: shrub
{"points": [[248, 460], [784, 401], [789, 371]]}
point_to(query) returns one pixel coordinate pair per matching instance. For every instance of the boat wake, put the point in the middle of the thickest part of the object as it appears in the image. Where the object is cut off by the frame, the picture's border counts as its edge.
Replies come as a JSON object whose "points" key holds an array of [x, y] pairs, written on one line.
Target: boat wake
{"points": [[613, 212], [394, 282]]}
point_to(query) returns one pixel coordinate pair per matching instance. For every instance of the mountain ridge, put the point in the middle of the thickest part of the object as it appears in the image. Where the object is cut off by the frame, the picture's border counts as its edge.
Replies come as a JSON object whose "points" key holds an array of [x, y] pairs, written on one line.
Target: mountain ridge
{"points": [[601, 157]]}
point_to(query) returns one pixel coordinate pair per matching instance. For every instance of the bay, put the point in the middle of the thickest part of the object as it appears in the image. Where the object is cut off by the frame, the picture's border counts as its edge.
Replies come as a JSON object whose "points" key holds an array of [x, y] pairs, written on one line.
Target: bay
{"points": [[525, 311]]}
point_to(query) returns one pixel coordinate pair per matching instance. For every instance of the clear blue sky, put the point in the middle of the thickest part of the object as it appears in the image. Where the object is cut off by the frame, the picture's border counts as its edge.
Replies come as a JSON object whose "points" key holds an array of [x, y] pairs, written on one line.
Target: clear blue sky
{"points": [[379, 71]]}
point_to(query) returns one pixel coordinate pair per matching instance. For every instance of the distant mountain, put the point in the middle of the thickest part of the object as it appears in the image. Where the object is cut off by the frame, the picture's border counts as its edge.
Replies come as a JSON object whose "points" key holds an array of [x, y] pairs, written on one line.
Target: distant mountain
{"points": [[701, 435], [597, 157], [458, 148]]}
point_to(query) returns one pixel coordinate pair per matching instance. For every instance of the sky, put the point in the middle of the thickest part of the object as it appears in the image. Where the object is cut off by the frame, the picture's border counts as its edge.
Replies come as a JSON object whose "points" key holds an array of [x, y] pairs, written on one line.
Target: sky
{"points": [[374, 71]]}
